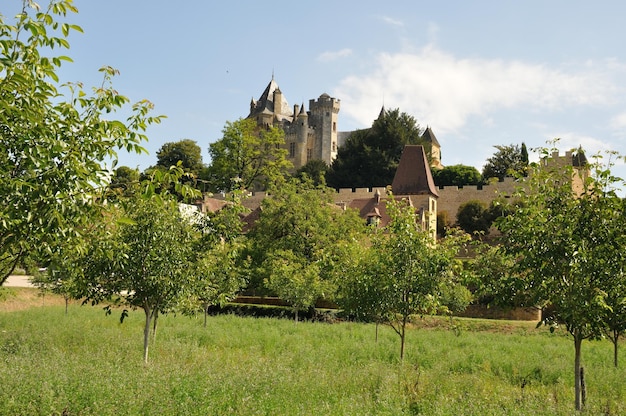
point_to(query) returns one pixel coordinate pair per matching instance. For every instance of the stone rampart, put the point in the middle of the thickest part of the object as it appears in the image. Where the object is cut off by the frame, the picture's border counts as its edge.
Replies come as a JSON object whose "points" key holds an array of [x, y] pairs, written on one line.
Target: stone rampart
{"points": [[452, 197]]}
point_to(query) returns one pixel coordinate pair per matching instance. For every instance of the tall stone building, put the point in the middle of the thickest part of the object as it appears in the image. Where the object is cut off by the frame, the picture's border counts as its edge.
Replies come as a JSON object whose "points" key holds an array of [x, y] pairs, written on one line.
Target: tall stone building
{"points": [[309, 134]]}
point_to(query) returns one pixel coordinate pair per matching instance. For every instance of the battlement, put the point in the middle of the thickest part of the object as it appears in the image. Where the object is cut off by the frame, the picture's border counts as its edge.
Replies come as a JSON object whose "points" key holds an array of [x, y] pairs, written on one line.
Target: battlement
{"points": [[325, 101]]}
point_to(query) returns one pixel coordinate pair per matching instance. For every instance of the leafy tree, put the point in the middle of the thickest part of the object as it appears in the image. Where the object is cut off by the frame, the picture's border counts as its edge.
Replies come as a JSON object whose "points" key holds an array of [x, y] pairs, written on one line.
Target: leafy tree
{"points": [[568, 249], [63, 272], [370, 157], [457, 175], [54, 140], [315, 170], [300, 218], [247, 156], [359, 284], [472, 217], [124, 182], [185, 151], [218, 276], [295, 280], [141, 252], [412, 274], [508, 161], [494, 281], [220, 267]]}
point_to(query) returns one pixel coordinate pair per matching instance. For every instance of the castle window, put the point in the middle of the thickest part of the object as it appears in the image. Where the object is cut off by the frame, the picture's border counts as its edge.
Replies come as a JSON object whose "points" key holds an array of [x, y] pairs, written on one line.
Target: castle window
{"points": [[292, 149], [334, 126], [334, 146], [309, 154]]}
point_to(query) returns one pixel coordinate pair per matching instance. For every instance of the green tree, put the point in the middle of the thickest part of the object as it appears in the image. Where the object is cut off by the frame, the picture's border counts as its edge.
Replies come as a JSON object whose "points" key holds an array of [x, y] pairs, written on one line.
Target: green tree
{"points": [[142, 254], [370, 157], [54, 140], [247, 157], [457, 175], [359, 286], [220, 267], [414, 276], [315, 170], [507, 161], [219, 274], [185, 151], [494, 281], [124, 183], [472, 217], [295, 280], [300, 218], [568, 250]]}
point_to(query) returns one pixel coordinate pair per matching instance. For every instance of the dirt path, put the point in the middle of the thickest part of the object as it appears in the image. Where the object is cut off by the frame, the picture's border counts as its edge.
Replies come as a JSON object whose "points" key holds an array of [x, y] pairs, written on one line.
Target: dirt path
{"points": [[18, 281]]}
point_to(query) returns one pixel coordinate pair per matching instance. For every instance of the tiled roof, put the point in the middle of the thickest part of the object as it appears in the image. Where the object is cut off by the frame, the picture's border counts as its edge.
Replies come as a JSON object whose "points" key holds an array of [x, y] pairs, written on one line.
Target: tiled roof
{"points": [[413, 175]]}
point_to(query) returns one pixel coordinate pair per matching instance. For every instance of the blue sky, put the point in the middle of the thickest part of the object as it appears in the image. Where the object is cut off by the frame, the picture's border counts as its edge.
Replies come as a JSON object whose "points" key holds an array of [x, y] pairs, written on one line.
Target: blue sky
{"points": [[479, 73]]}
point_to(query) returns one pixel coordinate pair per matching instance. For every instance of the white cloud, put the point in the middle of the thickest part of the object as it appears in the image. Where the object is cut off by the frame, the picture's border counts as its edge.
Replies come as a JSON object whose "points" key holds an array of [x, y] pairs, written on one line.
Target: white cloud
{"points": [[333, 55], [442, 90], [392, 21]]}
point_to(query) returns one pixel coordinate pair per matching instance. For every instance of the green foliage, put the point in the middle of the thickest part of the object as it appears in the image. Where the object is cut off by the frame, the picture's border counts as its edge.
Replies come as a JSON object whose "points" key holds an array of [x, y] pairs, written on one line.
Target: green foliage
{"points": [[54, 140], [185, 151], [247, 157], [300, 218], [508, 161], [569, 249], [472, 217], [294, 279], [314, 170], [406, 274], [141, 255], [124, 183], [457, 175], [494, 281], [370, 157], [220, 267]]}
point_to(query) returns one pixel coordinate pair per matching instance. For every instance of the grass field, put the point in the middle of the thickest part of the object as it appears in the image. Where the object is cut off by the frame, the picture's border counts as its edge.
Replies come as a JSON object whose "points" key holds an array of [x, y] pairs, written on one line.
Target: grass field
{"points": [[86, 363]]}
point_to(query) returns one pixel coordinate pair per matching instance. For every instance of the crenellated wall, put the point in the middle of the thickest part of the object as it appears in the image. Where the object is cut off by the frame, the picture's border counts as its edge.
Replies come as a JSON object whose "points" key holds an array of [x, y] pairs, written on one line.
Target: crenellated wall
{"points": [[450, 197]]}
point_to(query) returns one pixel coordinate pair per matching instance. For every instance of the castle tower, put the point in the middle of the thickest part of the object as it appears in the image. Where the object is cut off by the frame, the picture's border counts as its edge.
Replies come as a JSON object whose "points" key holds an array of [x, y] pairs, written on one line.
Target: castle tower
{"points": [[435, 148], [302, 136], [324, 114]]}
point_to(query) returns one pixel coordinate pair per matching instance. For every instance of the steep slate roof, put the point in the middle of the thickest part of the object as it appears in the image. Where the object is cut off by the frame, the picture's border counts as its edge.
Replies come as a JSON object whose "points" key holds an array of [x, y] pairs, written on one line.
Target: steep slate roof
{"points": [[429, 136], [413, 175], [265, 103]]}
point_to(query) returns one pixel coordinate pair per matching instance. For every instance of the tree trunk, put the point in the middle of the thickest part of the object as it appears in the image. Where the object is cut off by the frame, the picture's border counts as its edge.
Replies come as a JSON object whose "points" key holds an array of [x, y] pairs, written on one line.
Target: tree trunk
{"points": [[402, 337], [296, 316], [206, 312], [67, 300], [146, 333], [155, 313], [577, 381]]}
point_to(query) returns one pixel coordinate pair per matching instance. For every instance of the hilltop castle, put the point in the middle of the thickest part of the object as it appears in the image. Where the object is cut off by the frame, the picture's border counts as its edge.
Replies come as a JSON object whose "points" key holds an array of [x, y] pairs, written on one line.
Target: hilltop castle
{"points": [[309, 134], [313, 135]]}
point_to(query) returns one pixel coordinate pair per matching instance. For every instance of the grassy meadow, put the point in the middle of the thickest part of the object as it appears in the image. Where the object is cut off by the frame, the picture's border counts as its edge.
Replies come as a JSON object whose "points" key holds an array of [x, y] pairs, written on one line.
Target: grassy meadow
{"points": [[86, 363]]}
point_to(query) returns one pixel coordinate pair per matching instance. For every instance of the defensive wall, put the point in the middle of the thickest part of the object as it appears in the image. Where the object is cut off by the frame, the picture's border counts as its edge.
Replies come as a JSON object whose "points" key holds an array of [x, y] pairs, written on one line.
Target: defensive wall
{"points": [[450, 197]]}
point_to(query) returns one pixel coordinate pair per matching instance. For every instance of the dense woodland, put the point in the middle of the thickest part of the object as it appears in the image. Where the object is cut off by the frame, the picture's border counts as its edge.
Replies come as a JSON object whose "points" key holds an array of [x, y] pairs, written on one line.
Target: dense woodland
{"points": [[125, 240]]}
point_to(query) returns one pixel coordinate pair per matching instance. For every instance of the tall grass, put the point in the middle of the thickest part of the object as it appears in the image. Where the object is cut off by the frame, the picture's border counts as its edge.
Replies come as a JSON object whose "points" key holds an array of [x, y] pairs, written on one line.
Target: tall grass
{"points": [[86, 363]]}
